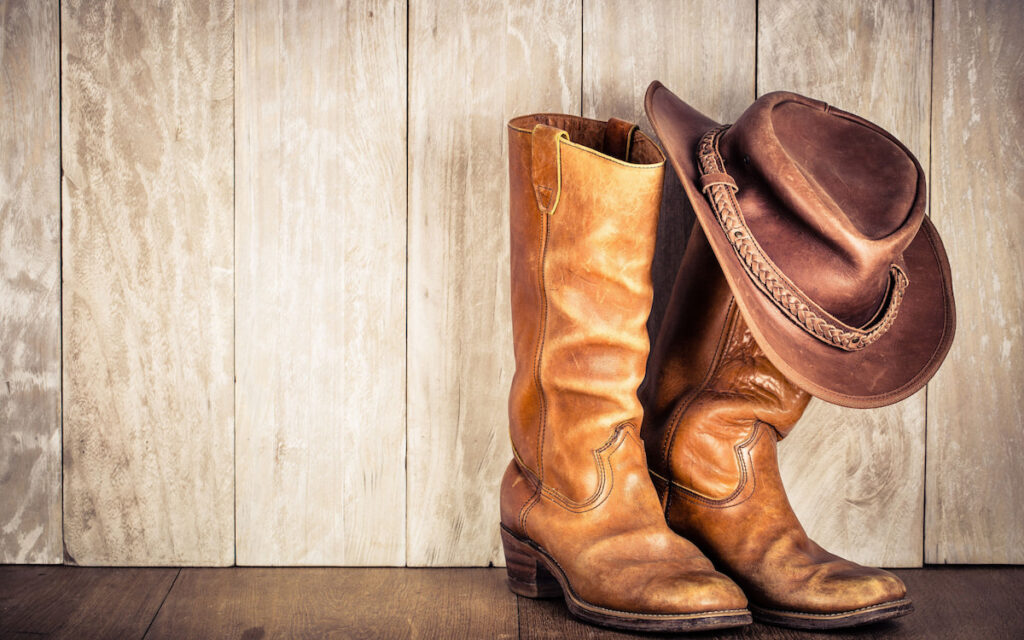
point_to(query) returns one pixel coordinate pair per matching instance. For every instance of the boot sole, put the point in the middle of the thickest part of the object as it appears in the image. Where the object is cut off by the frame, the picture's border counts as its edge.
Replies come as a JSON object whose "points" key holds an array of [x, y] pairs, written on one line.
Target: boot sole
{"points": [[534, 574], [852, 618]]}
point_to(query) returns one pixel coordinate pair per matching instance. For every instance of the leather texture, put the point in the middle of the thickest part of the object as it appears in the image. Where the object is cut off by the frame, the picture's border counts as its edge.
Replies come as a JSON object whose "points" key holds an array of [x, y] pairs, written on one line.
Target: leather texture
{"points": [[715, 408], [814, 214], [582, 241]]}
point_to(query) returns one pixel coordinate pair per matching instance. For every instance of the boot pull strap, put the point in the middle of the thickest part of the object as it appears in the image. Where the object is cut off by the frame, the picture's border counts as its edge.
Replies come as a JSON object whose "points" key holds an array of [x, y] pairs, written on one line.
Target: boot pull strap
{"points": [[546, 162], [618, 138]]}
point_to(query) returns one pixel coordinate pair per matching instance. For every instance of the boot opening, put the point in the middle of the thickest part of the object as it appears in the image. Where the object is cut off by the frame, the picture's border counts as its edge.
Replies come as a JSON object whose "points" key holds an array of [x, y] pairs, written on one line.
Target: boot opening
{"points": [[591, 134]]}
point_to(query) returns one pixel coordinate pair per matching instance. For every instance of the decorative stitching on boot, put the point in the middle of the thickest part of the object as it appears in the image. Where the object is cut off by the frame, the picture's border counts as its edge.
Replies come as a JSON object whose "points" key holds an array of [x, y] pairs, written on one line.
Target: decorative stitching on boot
{"points": [[525, 512], [745, 487], [676, 418], [605, 470]]}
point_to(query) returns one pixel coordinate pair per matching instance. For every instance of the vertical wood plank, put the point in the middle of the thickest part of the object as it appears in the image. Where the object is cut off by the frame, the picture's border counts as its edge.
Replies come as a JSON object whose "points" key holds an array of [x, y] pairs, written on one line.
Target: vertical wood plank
{"points": [[320, 243], [975, 478], [147, 300], [30, 511], [856, 477], [472, 66], [709, 63]]}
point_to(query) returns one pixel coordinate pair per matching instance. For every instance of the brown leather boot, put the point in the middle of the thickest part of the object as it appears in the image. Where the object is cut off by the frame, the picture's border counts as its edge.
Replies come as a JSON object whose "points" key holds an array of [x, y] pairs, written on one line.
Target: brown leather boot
{"points": [[715, 408], [579, 514]]}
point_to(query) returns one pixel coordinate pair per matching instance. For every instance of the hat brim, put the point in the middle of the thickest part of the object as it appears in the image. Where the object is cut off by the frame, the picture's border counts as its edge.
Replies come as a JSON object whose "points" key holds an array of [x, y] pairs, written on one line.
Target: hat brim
{"points": [[895, 366]]}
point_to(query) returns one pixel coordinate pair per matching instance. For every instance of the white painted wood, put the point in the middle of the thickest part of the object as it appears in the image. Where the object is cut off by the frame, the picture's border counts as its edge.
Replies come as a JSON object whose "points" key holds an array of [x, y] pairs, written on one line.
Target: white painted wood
{"points": [[856, 477], [472, 66], [975, 490], [320, 293], [147, 269], [30, 508]]}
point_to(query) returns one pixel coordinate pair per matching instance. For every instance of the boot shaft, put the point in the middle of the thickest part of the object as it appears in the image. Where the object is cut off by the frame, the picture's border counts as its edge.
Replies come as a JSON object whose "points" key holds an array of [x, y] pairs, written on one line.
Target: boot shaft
{"points": [[583, 213], [709, 384], [716, 407]]}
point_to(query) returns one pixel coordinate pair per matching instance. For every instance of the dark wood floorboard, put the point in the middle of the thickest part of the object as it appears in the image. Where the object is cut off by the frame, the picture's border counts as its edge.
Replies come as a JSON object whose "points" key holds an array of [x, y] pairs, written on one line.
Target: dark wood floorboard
{"points": [[951, 603], [80, 602], [251, 604], [968, 603]]}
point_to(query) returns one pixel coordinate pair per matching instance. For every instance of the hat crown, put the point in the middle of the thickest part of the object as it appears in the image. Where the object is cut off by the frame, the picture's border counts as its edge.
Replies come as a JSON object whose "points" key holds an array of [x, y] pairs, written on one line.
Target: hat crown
{"points": [[853, 198]]}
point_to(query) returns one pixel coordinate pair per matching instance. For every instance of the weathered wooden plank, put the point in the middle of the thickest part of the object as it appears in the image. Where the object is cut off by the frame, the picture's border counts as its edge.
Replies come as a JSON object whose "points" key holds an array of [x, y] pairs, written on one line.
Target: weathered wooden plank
{"points": [[30, 510], [76, 602], [962, 602], [703, 51], [320, 299], [471, 68], [951, 603], [856, 477], [338, 603], [147, 300], [80, 602], [975, 478]]}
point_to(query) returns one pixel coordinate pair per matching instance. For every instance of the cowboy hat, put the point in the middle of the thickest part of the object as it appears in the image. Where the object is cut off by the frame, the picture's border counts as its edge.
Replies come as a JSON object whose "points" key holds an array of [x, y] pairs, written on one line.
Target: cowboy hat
{"points": [[817, 219]]}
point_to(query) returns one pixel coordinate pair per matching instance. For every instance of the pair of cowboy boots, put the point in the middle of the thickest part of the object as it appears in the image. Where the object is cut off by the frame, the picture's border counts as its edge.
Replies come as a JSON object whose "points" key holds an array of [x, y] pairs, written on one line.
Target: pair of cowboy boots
{"points": [[667, 514]]}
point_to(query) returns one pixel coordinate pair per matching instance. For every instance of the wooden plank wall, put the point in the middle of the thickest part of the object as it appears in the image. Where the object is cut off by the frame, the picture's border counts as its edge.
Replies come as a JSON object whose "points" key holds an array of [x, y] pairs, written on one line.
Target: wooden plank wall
{"points": [[320, 375], [148, 278], [320, 288], [30, 507], [975, 487]]}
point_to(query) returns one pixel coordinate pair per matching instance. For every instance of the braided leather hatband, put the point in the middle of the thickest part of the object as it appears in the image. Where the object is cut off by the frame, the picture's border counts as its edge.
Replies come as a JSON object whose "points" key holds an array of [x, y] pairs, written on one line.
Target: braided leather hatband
{"points": [[720, 190]]}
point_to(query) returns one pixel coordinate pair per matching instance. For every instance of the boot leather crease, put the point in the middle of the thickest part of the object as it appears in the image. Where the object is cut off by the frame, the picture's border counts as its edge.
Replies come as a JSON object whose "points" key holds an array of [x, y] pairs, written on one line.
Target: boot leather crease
{"points": [[714, 409], [580, 516]]}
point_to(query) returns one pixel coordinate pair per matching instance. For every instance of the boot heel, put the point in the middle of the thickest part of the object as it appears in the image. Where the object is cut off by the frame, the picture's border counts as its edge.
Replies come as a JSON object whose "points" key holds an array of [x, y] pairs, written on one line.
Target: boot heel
{"points": [[527, 575]]}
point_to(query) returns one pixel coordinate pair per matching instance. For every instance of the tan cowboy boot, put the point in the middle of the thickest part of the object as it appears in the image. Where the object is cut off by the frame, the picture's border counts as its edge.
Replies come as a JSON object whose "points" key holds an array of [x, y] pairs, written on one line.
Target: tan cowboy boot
{"points": [[715, 408], [579, 514]]}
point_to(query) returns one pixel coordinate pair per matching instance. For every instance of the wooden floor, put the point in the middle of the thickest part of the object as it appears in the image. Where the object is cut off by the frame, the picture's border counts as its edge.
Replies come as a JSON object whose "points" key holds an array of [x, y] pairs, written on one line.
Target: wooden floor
{"points": [[74, 602]]}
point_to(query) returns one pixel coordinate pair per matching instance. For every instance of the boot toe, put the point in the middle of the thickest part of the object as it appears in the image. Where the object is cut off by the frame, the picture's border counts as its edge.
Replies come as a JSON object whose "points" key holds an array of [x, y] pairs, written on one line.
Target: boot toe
{"points": [[863, 587], [846, 587], [877, 586], [696, 592]]}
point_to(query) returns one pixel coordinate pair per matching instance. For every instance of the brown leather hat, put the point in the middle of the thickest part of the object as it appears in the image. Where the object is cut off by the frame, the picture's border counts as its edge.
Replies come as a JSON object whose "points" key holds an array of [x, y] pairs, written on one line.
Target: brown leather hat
{"points": [[817, 219]]}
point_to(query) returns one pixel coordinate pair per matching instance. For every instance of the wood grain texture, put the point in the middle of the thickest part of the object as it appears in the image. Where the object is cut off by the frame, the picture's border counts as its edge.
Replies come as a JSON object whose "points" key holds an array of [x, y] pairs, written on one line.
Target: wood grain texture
{"points": [[30, 507], [975, 492], [147, 300], [709, 64], [338, 603], [471, 68], [856, 477], [962, 603], [74, 602], [80, 602], [320, 307]]}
